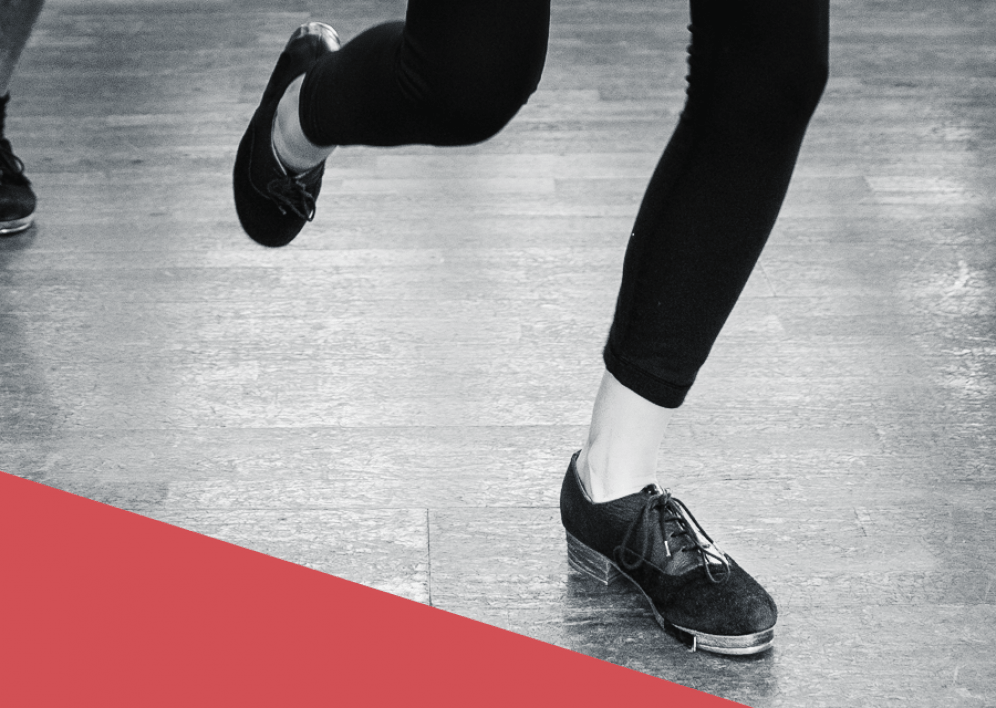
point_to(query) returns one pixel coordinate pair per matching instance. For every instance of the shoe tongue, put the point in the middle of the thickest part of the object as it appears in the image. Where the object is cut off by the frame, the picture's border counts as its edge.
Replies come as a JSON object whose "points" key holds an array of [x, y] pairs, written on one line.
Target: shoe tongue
{"points": [[681, 561], [671, 525], [682, 536], [694, 532]]}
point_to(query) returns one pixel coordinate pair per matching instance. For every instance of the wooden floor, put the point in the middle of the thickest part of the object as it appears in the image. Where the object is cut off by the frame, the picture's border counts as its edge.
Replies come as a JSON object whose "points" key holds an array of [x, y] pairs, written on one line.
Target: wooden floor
{"points": [[394, 397]]}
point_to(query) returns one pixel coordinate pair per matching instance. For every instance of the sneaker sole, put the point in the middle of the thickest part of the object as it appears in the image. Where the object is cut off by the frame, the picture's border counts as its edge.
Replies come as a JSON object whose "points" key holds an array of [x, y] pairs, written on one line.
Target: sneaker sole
{"points": [[15, 226], [592, 563]]}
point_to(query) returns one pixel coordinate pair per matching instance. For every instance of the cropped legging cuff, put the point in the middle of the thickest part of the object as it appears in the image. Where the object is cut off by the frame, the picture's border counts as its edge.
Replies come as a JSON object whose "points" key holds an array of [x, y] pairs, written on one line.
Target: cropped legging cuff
{"points": [[648, 385]]}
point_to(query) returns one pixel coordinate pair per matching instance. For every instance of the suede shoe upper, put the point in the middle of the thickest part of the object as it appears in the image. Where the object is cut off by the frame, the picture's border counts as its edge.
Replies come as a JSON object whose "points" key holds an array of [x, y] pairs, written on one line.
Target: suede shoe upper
{"points": [[653, 539], [274, 205], [17, 200]]}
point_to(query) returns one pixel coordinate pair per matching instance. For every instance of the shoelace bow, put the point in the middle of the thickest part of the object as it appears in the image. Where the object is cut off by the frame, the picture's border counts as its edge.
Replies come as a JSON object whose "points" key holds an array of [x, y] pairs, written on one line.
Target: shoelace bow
{"points": [[291, 192], [671, 511]]}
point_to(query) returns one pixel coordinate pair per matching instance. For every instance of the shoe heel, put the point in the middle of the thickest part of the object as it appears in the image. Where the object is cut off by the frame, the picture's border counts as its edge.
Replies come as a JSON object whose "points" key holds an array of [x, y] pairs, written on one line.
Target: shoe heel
{"points": [[590, 562], [324, 32]]}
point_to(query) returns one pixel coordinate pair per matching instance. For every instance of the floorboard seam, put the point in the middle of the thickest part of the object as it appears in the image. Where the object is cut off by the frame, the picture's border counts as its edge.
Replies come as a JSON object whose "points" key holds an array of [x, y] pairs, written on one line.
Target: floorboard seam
{"points": [[428, 558]]}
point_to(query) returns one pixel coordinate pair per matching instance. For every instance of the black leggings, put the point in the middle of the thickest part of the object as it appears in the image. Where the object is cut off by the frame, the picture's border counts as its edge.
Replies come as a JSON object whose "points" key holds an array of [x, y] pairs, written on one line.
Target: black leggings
{"points": [[454, 72], [458, 70]]}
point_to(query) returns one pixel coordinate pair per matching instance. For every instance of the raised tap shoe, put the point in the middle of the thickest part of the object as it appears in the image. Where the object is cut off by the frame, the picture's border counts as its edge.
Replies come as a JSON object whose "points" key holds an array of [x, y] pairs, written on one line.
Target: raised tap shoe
{"points": [[274, 204]]}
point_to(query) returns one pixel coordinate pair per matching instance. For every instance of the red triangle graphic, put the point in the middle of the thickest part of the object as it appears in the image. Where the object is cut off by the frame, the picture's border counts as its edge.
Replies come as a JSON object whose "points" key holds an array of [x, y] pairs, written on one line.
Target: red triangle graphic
{"points": [[100, 606]]}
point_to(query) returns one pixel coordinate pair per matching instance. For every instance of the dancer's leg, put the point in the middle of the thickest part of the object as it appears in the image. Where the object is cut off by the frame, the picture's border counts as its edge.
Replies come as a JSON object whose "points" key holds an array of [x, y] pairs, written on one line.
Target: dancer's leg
{"points": [[757, 70], [454, 73], [292, 146], [620, 454], [17, 200], [17, 18]]}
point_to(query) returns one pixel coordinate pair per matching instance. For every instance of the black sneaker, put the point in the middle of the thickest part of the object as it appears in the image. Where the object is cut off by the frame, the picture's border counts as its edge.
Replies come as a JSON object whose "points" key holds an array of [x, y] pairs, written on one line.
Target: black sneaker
{"points": [[273, 205], [17, 201], [653, 541]]}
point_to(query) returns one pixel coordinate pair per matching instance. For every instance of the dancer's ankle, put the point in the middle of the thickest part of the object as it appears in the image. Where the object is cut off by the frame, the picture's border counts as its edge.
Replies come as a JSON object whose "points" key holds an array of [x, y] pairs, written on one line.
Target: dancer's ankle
{"points": [[605, 481], [620, 455], [290, 145]]}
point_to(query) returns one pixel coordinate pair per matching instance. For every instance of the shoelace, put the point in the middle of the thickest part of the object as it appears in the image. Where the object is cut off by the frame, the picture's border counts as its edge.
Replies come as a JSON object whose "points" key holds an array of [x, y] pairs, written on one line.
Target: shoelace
{"points": [[672, 511], [291, 193]]}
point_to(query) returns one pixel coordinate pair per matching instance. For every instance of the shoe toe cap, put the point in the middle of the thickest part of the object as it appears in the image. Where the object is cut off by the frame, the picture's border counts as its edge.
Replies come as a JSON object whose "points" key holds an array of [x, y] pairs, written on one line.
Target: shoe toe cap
{"points": [[736, 606], [260, 217]]}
